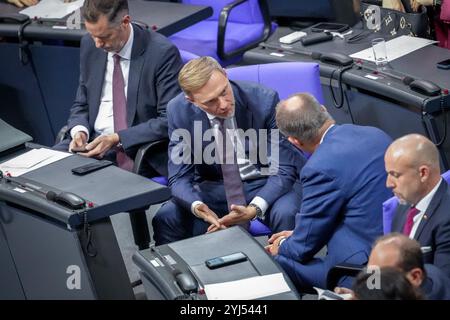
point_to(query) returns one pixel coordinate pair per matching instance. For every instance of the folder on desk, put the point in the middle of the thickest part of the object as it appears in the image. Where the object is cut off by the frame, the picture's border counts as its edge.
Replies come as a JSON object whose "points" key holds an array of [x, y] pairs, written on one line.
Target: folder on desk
{"points": [[11, 137]]}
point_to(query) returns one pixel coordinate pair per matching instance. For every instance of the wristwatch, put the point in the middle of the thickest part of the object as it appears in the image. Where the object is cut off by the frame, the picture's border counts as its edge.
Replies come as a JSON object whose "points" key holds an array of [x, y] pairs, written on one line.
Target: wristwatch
{"points": [[259, 213]]}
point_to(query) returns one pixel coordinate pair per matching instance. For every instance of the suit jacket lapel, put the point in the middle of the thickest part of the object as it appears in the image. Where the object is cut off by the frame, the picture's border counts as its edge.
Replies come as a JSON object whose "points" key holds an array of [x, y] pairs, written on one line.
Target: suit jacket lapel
{"points": [[434, 204], [97, 70], [134, 76], [242, 114]]}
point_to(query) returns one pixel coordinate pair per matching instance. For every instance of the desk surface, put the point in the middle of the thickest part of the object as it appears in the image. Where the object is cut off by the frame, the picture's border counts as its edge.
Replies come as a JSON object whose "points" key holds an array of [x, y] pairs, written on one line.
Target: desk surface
{"points": [[420, 64], [164, 17], [112, 190]]}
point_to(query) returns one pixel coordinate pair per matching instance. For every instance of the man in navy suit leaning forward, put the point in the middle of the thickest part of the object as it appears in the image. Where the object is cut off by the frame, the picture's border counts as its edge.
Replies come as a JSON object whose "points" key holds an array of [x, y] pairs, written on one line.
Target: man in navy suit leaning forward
{"points": [[343, 191], [249, 171]]}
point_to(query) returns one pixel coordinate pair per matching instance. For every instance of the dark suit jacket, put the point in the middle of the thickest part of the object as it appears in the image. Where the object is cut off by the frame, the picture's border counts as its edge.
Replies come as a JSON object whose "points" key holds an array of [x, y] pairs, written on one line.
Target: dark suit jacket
{"points": [[255, 109], [436, 286], [152, 82], [434, 230], [343, 191]]}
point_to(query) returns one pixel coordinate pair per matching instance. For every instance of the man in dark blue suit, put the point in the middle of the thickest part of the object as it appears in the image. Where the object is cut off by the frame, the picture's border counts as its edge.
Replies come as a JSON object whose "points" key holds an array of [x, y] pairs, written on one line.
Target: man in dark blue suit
{"points": [[398, 251], [264, 164], [412, 164], [343, 191], [121, 65]]}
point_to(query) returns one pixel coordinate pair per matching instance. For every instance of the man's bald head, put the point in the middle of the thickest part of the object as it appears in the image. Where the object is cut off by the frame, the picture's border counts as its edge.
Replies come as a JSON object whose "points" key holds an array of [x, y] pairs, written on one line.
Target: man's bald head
{"points": [[416, 150], [398, 251], [301, 116], [412, 164]]}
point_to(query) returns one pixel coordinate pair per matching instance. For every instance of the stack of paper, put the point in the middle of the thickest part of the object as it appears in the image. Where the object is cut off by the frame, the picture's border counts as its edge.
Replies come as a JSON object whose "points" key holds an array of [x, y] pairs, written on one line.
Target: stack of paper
{"points": [[31, 160], [246, 289], [52, 9], [395, 48]]}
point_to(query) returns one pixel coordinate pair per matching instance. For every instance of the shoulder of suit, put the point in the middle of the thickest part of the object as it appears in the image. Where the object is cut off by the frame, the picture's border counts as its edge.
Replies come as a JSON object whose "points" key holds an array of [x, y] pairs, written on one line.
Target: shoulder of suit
{"points": [[179, 105]]}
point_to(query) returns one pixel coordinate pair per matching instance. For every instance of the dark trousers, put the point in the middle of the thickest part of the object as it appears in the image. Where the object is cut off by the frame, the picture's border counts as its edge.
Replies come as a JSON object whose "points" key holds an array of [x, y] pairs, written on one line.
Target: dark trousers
{"points": [[172, 222]]}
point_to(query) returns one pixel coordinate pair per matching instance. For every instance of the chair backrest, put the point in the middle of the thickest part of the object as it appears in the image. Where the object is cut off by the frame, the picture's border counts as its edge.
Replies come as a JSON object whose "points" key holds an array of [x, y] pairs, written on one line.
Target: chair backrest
{"points": [[390, 205], [284, 77], [247, 12]]}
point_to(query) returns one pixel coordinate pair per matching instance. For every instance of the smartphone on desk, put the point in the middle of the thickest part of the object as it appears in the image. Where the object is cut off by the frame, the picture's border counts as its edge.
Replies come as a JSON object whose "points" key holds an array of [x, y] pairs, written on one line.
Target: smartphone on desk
{"points": [[444, 64]]}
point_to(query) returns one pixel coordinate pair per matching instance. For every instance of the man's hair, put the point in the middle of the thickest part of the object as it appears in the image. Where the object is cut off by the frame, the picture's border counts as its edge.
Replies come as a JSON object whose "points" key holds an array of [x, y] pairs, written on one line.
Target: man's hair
{"points": [[301, 116], [394, 285], [196, 73], [409, 253], [114, 10]]}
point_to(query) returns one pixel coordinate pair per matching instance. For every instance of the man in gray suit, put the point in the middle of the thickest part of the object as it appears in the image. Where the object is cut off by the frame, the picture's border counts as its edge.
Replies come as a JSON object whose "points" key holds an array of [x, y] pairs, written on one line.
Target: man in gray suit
{"points": [[127, 77]]}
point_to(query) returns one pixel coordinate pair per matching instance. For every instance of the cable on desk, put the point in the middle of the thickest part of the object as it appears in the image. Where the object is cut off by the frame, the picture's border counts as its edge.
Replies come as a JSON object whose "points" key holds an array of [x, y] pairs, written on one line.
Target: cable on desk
{"points": [[338, 104]]}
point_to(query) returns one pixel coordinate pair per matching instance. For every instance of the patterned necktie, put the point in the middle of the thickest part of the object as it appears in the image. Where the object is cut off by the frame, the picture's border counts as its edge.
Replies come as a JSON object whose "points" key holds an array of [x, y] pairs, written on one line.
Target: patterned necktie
{"points": [[412, 212], [232, 182], [120, 112]]}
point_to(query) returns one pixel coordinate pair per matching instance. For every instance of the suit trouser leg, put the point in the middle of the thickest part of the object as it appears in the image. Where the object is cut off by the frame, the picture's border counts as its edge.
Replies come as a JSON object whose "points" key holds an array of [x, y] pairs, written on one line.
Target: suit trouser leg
{"points": [[282, 214], [171, 223]]}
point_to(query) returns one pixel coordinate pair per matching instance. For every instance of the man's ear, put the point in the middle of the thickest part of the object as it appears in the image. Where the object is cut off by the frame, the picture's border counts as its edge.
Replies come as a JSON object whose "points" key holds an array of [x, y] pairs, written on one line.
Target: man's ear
{"points": [[126, 19], [424, 172], [295, 142], [415, 276]]}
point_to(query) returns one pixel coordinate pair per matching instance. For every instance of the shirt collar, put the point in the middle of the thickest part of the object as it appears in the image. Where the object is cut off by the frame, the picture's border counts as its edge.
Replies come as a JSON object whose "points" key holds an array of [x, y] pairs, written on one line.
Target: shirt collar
{"points": [[125, 52], [326, 131], [423, 204]]}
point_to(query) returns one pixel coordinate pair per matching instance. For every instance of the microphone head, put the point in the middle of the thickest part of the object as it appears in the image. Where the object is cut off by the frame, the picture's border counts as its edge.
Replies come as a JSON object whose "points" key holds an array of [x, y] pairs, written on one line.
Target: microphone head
{"points": [[51, 196], [407, 80], [316, 55]]}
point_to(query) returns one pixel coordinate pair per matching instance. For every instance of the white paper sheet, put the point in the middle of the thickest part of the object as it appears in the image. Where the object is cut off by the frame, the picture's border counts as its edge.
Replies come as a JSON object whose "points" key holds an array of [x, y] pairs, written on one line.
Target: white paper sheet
{"points": [[246, 289], [31, 160], [395, 48], [52, 9]]}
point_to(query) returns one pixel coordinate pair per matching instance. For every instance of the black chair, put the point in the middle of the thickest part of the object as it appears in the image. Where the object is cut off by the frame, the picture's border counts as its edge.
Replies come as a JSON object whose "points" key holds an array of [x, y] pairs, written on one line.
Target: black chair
{"points": [[138, 218]]}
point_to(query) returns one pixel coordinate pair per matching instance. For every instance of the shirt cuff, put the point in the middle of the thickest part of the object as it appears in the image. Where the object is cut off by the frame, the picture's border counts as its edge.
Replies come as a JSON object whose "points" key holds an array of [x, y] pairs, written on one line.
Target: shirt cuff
{"points": [[193, 205], [261, 203], [281, 241], [79, 128]]}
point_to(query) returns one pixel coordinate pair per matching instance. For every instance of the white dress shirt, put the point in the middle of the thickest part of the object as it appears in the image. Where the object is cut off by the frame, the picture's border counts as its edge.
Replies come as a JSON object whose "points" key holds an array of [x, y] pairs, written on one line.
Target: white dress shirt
{"points": [[104, 123], [422, 206], [247, 170]]}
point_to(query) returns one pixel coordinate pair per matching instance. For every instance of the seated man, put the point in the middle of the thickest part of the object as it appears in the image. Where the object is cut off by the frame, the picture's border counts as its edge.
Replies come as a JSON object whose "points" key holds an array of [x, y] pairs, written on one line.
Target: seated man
{"points": [[412, 164], [127, 76], [248, 171], [398, 251], [393, 285], [343, 191]]}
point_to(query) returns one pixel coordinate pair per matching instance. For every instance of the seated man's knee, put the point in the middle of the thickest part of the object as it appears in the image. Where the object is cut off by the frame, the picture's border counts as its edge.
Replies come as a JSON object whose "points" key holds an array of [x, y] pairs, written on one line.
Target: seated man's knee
{"points": [[283, 211]]}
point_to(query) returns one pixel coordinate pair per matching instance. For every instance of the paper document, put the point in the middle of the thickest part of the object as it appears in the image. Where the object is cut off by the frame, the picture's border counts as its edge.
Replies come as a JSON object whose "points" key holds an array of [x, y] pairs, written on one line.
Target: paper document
{"points": [[330, 295], [52, 9], [246, 289], [395, 48], [31, 160]]}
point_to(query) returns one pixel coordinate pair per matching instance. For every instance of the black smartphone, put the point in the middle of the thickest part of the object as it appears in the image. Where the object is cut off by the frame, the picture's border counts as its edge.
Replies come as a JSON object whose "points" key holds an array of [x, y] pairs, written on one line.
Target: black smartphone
{"points": [[88, 168], [445, 64], [329, 26], [79, 149], [218, 262]]}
